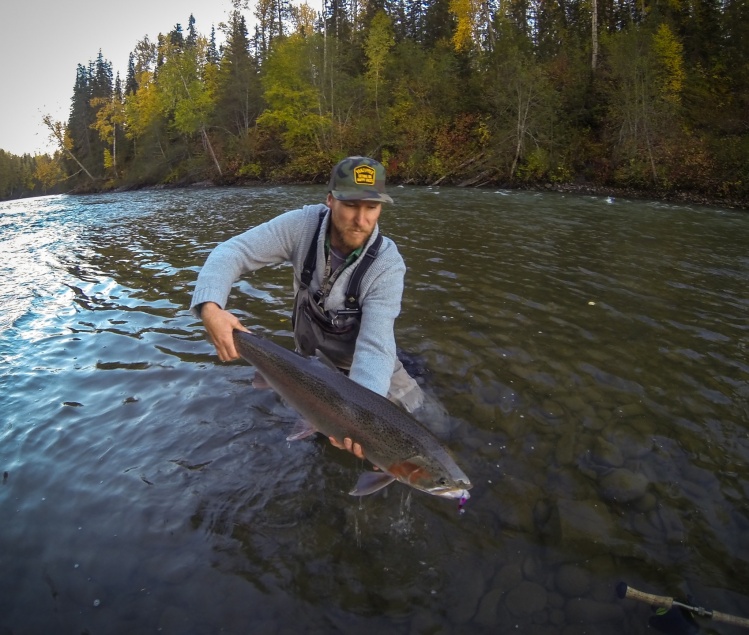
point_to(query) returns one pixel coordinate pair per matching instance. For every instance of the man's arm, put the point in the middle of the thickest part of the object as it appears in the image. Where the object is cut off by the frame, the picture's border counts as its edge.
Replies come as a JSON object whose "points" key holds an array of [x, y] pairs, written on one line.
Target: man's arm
{"points": [[374, 355], [219, 325], [268, 243]]}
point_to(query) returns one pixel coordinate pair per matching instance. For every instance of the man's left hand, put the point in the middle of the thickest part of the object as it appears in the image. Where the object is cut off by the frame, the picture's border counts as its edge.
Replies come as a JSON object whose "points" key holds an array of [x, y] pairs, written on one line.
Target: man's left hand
{"points": [[348, 445]]}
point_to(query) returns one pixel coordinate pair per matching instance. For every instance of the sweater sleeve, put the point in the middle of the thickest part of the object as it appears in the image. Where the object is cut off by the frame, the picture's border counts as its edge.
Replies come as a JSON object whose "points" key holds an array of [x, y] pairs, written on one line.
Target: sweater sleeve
{"points": [[275, 241]]}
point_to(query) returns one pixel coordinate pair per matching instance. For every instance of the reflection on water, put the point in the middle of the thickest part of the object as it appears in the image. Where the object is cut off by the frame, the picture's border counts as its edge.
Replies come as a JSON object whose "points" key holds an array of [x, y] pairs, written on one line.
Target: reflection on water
{"points": [[592, 354]]}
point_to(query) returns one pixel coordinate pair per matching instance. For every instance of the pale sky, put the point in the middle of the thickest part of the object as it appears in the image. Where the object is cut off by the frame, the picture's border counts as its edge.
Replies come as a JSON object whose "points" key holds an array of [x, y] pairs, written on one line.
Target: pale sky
{"points": [[43, 41]]}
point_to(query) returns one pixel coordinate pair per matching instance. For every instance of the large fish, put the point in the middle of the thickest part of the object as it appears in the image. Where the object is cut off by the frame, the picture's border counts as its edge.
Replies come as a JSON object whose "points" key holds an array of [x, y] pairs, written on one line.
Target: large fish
{"points": [[337, 406]]}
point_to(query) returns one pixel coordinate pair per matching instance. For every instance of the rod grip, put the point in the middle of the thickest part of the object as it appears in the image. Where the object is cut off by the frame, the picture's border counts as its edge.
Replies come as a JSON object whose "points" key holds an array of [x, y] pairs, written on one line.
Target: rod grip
{"points": [[730, 619], [625, 591]]}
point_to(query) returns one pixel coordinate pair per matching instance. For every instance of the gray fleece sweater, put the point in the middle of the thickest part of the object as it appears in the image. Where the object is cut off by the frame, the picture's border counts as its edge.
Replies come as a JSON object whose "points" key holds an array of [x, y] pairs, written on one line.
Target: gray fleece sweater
{"points": [[286, 238]]}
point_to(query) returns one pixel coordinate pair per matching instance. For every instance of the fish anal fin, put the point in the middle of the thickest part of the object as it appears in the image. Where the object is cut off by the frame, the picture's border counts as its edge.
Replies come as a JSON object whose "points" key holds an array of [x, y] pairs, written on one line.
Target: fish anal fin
{"points": [[301, 430], [371, 482]]}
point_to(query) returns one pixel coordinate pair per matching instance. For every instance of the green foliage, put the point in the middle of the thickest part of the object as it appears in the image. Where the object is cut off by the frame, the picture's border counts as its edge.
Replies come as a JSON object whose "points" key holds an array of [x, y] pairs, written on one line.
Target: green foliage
{"points": [[294, 102], [669, 53], [377, 47], [450, 91], [535, 166], [22, 176]]}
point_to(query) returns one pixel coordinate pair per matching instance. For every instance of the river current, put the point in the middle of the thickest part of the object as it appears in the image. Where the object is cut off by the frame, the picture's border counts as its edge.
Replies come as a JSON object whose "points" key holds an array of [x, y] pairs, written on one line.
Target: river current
{"points": [[592, 354]]}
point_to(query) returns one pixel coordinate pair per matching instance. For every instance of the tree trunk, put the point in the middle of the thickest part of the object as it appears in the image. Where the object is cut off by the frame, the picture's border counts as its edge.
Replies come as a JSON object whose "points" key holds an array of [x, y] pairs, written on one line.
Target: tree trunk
{"points": [[594, 35], [56, 130], [207, 142]]}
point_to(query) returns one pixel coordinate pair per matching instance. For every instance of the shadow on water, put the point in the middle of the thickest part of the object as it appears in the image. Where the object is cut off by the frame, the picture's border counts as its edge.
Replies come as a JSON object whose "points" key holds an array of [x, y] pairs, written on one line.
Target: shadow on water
{"points": [[591, 353]]}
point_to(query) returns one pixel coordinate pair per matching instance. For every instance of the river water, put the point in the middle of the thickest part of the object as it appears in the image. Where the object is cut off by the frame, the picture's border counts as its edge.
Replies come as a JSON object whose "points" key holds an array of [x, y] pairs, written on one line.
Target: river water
{"points": [[593, 355]]}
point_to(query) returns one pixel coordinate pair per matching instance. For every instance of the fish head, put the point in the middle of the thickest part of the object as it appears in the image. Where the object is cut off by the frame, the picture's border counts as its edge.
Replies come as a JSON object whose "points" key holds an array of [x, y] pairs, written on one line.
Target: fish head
{"points": [[433, 477]]}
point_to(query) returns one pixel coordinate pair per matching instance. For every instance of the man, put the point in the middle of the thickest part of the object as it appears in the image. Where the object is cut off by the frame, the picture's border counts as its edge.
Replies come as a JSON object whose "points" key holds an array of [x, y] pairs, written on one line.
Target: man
{"points": [[347, 278]]}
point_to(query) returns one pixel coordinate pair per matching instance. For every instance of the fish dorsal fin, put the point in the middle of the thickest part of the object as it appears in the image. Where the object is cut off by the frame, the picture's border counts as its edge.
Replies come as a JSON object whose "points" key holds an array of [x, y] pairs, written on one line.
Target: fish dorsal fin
{"points": [[371, 482], [325, 360]]}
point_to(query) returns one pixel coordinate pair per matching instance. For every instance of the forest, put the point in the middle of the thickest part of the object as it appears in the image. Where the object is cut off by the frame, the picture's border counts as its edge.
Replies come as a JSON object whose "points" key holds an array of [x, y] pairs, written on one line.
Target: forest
{"points": [[641, 96]]}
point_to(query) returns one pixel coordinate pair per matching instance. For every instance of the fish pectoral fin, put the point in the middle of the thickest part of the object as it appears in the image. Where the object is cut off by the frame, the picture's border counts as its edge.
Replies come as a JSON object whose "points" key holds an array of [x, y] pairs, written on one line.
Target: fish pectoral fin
{"points": [[371, 482], [301, 430], [326, 360]]}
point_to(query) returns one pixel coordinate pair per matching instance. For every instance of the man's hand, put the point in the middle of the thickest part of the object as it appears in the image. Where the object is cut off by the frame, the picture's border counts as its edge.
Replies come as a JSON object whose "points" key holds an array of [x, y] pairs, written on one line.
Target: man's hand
{"points": [[349, 445], [219, 324]]}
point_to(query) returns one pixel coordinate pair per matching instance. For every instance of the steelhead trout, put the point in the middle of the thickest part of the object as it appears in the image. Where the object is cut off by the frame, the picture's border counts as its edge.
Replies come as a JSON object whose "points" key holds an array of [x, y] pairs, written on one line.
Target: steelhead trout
{"points": [[337, 406]]}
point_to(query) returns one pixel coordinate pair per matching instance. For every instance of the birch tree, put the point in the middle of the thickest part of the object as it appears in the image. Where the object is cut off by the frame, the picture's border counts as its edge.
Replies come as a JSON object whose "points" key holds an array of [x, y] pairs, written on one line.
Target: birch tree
{"points": [[377, 47]]}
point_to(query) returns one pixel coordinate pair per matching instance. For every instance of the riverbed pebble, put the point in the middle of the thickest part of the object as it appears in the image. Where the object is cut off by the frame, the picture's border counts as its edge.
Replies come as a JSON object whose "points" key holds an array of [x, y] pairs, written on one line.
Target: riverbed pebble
{"points": [[605, 453], [623, 485], [587, 611], [572, 581], [586, 522], [526, 599]]}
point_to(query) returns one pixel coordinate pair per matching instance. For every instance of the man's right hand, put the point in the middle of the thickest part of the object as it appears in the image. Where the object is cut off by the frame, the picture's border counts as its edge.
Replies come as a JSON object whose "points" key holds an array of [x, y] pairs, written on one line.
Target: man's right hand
{"points": [[219, 324]]}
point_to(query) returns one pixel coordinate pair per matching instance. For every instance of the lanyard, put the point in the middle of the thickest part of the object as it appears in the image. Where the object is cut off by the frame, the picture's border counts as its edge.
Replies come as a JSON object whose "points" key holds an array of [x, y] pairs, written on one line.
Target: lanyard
{"points": [[330, 276]]}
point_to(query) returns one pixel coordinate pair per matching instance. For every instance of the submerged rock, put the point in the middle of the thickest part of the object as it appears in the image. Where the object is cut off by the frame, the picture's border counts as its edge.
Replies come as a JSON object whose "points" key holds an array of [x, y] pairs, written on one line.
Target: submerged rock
{"points": [[526, 598], [572, 581], [623, 485]]}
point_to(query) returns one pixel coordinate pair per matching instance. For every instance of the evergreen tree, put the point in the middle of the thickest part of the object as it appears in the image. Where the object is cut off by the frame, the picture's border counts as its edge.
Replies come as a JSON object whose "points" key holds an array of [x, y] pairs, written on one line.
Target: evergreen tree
{"points": [[503, 89], [439, 24], [131, 84], [212, 56], [176, 38], [79, 123], [238, 99], [192, 34]]}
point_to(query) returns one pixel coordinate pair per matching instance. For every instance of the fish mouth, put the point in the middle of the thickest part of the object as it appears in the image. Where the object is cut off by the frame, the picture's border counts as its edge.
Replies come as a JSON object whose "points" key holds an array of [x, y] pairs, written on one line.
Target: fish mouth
{"points": [[451, 492], [458, 488]]}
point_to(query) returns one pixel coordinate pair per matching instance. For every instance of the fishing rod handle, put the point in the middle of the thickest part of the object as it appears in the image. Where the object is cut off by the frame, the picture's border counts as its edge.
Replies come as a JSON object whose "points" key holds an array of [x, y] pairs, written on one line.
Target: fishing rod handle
{"points": [[623, 590], [730, 619]]}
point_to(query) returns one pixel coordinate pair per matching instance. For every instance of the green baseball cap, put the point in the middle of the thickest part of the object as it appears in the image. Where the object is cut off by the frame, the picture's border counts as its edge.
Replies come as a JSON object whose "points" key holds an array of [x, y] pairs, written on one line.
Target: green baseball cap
{"points": [[358, 179]]}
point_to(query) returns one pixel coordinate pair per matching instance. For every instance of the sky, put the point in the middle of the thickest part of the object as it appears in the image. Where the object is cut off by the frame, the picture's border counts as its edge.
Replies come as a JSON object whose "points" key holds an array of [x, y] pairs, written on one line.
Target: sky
{"points": [[43, 41]]}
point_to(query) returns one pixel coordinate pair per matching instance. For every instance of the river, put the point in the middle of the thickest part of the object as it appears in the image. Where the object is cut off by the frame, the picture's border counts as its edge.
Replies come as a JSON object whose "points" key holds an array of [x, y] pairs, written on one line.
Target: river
{"points": [[592, 354]]}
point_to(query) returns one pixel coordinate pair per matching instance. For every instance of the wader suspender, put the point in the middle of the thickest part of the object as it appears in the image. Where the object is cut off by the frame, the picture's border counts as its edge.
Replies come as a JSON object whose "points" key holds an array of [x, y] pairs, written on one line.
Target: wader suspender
{"points": [[352, 292]]}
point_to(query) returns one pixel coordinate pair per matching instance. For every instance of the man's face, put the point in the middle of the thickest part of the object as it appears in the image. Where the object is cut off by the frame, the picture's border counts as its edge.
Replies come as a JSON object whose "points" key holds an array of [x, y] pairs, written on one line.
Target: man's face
{"points": [[352, 222]]}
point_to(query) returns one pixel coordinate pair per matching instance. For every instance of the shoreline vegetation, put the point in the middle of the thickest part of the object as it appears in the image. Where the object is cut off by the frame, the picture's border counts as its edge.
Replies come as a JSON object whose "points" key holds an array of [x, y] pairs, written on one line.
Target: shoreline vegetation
{"points": [[624, 99], [577, 189]]}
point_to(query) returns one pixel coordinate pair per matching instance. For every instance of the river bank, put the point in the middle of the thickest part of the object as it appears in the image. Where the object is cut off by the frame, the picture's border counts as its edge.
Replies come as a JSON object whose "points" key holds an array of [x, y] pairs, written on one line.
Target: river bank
{"points": [[584, 189], [579, 188]]}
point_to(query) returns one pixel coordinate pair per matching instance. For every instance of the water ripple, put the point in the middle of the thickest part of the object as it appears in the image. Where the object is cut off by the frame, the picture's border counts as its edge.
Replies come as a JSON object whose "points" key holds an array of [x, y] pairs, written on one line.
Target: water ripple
{"points": [[592, 355]]}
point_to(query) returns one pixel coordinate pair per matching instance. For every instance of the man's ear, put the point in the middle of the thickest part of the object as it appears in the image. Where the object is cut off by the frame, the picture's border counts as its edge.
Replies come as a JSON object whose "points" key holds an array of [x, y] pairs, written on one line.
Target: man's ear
{"points": [[329, 200]]}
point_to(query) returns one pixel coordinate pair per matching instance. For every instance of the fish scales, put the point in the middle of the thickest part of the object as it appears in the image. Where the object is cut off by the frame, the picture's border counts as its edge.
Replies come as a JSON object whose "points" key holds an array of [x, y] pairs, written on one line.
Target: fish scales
{"points": [[336, 406]]}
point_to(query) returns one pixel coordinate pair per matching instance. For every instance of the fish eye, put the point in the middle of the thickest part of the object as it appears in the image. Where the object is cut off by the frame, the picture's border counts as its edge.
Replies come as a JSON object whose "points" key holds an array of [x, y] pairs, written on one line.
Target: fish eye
{"points": [[442, 481]]}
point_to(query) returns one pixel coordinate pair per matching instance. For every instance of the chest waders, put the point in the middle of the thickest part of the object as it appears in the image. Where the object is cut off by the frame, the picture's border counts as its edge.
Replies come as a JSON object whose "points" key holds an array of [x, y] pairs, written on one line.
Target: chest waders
{"points": [[334, 333]]}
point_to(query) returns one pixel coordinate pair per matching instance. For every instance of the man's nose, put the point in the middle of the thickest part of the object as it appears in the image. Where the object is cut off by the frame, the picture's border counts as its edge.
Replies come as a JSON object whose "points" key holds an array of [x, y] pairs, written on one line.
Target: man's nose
{"points": [[360, 213]]}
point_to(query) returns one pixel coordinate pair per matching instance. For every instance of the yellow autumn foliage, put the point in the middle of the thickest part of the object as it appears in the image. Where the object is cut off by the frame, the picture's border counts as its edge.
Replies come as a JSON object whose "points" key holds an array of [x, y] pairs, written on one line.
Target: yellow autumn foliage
{"points": [[669, 52]]}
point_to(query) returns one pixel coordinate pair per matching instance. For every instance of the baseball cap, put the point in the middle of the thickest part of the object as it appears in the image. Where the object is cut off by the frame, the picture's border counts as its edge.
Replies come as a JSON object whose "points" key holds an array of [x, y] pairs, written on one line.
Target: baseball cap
{"points": [[358, 179]]}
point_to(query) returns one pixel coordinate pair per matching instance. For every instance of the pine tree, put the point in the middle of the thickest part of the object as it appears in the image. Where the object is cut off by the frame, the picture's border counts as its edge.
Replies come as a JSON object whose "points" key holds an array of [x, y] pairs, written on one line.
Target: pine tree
{"points": [[439, 23], [78, 129], [212, 56], [192, 34], [238, 99], [131, 83], [176, 39]]}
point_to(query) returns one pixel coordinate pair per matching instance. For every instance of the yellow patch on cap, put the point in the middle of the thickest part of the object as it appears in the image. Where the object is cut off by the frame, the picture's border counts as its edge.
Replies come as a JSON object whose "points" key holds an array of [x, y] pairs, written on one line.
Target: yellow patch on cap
{"points": [[364, 175]]}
